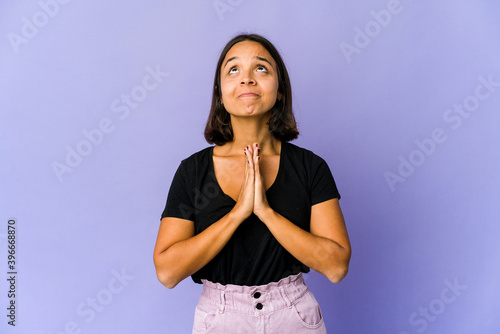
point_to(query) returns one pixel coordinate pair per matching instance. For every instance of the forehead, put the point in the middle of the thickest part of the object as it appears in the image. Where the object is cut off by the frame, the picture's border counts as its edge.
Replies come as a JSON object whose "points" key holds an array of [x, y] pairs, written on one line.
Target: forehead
{"points": [[248, 50]]}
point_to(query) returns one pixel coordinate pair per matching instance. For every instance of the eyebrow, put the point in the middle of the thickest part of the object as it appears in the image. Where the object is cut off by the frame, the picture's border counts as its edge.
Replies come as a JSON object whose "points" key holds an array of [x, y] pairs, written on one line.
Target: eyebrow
{"points": [[256, 57]]}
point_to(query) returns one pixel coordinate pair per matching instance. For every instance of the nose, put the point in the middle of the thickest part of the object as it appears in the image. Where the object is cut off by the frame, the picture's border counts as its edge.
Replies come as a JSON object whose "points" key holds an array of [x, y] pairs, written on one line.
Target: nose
{"points": [[247, 78]]}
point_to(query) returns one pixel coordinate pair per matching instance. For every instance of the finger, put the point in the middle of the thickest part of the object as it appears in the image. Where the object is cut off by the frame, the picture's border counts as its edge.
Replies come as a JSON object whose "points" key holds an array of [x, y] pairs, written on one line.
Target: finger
{"points": [[247, 155], [259, 179], [249, 164], [256, 153], [256, 157], [250, 150], [250, 153]]}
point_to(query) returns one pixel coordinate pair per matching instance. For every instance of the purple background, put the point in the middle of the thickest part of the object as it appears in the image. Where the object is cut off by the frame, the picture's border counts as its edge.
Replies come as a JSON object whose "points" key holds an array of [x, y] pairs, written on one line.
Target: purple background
{"points": [[369, 88]]}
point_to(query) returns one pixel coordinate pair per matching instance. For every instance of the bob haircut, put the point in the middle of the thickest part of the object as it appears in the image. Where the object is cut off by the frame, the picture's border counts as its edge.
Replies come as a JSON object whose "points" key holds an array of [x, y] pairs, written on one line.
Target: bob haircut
{"points": [[282, 125]]}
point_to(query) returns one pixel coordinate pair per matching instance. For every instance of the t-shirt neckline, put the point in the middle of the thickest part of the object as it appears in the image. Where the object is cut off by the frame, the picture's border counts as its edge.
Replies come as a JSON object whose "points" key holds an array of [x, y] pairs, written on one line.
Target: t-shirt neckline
{"points": [[212, 171]]}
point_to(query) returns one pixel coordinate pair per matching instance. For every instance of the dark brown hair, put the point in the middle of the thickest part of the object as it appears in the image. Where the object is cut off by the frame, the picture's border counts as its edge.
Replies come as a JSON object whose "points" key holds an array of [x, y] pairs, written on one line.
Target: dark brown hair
{"points": [[282, 122]]}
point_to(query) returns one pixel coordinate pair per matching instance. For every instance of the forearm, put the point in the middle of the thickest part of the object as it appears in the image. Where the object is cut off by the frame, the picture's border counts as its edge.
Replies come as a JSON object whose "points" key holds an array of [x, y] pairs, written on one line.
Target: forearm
{"points": [[186, 257], [321, 254]]}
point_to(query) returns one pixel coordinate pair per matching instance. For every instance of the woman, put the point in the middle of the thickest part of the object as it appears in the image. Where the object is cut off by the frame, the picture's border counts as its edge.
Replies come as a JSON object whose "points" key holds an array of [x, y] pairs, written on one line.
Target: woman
{"points": [[248, 216]]}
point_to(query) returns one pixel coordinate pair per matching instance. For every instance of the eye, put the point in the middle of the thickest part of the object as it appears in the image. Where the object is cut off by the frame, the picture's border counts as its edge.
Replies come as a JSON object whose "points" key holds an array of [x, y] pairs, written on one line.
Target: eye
{"points": [[233, 70], [261, 68]]}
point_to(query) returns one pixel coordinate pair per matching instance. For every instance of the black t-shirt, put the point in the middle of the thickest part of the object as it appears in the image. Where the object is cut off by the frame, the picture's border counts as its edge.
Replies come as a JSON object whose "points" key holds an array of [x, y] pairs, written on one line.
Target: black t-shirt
{"points": [[252, 256]]}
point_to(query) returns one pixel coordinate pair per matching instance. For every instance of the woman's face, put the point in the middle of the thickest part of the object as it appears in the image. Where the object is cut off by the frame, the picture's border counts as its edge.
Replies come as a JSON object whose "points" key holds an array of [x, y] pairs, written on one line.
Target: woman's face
{"points": [[249, 80]]}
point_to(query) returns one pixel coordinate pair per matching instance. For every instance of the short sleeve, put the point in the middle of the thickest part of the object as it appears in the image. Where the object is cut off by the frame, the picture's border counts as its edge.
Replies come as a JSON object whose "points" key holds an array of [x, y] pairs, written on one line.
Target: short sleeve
{"points": [[323, 185], [179, 202]]}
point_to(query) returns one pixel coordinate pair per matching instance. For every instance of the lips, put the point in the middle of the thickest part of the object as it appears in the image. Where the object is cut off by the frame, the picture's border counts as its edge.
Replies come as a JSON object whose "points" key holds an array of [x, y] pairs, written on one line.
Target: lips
{"points": [[249, 94]]}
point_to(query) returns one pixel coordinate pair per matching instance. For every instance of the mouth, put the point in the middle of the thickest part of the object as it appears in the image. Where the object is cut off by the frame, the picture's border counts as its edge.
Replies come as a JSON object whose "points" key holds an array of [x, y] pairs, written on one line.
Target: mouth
{"points": [[248, 95]]}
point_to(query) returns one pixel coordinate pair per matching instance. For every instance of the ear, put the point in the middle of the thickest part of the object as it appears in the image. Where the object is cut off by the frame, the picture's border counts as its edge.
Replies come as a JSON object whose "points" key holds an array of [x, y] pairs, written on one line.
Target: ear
{"points": [[279, 96]]}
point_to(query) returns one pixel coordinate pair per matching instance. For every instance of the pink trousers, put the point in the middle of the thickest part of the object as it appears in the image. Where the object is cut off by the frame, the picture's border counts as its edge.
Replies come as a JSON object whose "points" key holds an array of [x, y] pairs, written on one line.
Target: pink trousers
{"points": [[283, 307]]}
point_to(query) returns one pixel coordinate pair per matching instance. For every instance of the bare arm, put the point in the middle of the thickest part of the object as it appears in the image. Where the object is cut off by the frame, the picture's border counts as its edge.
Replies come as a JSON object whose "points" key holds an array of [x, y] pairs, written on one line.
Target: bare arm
{"points": [[179, 253], [325, 249]]}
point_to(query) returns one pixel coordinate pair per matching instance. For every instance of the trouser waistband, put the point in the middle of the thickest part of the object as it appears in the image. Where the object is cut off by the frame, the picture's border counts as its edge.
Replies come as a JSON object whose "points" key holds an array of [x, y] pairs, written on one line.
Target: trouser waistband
{"points": [[255, 300]]}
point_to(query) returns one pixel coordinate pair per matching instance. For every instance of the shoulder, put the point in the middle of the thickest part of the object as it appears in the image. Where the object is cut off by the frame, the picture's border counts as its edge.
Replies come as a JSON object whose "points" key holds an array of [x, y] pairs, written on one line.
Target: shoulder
{"points": [[199, 158], [298, 153], [195, 164]]}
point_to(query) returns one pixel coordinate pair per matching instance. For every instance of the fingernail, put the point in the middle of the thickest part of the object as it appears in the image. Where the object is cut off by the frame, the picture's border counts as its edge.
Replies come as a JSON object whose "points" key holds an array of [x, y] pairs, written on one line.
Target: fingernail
{"points": [[256, 144], [258, 150]]}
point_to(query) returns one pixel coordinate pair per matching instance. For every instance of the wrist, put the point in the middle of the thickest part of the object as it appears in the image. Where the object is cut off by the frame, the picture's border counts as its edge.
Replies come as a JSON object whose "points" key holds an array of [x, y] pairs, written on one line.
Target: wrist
{"points": [[237, 216], [266, 214]]}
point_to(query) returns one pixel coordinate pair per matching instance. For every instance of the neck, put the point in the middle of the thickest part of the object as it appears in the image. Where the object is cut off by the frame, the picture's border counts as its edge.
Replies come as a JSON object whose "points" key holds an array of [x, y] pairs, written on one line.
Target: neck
{"points": [[250, 130]]}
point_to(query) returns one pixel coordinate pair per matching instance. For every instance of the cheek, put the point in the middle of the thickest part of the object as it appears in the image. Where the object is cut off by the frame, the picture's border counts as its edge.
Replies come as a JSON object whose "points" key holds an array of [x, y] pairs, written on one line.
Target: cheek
{"points": [[272, 85], [223, 93], [272, 90], [226, 90]]}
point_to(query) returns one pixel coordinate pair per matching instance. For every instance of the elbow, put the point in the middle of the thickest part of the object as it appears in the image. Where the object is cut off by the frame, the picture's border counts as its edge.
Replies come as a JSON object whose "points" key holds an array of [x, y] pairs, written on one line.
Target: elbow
{"points": [[166, 279], [165, 276], [338, 273], [339, 267]]}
